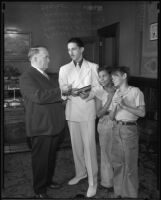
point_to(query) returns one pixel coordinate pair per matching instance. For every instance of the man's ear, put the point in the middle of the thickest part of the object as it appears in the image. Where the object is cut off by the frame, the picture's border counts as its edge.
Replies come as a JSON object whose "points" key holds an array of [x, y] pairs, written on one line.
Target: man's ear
{"points": [[82, 49], [124, 75], [34, 58]]}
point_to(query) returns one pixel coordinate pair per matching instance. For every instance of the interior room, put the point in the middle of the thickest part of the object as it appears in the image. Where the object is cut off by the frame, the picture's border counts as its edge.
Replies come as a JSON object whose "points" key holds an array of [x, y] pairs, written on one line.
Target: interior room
{"points": [[123, 33]]}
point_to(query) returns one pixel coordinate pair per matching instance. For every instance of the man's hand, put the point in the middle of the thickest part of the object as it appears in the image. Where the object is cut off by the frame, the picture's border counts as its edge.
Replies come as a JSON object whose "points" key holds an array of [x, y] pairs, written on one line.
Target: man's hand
{"points": [[74, 92], [64, 102], [84, 95], [66, 90], [90, 96]]}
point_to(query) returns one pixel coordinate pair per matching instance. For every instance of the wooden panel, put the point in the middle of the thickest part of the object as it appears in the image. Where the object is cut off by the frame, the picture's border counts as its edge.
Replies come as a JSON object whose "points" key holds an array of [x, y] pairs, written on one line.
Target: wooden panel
{"points": [[149, 87], [145, 82]]}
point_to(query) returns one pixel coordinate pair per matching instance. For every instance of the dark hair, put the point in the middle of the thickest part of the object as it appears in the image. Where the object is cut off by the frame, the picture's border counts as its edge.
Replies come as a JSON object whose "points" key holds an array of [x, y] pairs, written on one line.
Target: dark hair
{"points": [[76, 40], [107, 69], [122, 70]]}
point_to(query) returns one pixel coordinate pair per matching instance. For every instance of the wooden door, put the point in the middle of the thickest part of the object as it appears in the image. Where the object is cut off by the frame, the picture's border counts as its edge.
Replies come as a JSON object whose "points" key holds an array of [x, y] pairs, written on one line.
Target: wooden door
{"points": [[109, 45], [90, 48]]}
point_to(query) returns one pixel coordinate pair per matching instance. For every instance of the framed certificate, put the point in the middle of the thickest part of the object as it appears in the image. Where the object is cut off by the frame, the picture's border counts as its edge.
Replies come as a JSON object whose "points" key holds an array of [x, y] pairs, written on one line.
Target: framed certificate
{"points": [[154, 31], [16, 46]]}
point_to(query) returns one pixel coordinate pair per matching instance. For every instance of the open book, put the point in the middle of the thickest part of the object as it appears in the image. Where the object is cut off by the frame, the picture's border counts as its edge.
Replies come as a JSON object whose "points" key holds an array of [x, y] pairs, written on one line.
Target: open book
{"points": [[84, 89], [76, 91]]}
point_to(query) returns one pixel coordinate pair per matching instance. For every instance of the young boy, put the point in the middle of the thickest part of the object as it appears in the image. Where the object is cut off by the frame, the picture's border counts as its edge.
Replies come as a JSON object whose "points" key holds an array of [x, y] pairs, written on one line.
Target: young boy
{"points": [[103, 100], [126, 107]]}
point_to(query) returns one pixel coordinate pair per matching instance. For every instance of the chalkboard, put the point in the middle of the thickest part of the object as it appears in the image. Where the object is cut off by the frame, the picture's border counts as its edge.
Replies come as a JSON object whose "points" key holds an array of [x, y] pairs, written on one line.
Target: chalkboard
{"points": [[68, 19]]}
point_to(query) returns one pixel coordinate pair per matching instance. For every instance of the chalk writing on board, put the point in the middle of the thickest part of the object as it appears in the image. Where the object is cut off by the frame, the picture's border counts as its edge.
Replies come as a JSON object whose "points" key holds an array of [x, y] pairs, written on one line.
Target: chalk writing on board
{"points": [[60, 19]]}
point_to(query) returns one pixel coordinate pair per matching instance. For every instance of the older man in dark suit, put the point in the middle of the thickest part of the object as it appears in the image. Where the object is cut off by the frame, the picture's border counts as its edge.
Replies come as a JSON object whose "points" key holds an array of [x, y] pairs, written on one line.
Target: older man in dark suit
{"points": [[45, 119]]}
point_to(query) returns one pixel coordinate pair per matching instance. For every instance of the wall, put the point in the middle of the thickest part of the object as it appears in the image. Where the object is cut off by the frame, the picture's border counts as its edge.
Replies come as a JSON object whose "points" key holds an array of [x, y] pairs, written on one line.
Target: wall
{"points": [[135, 17], [53, 23], [50, 24], [123, 12], [149, 62]]}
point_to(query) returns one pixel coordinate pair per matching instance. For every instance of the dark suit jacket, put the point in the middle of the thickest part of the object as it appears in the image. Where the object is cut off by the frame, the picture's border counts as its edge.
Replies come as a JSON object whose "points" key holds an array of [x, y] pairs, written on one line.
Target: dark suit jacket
{"points": [[44, 111]]}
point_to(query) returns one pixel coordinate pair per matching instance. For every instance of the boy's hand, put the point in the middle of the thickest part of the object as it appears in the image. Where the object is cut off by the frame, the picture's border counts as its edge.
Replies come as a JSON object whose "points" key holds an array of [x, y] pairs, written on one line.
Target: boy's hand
{"points": [[122, 104], [117, 100]]}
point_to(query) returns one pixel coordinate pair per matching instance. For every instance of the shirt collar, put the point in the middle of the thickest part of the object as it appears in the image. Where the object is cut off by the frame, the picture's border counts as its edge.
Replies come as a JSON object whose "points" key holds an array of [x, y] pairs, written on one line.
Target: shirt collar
{"points": [[80, 62], [123, 93], [41, 71]]}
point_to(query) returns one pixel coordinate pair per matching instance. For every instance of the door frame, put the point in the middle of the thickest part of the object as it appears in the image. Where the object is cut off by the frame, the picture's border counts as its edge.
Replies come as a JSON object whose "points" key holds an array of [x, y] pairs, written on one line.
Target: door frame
{"points": [[92, 40], [113, 31]]}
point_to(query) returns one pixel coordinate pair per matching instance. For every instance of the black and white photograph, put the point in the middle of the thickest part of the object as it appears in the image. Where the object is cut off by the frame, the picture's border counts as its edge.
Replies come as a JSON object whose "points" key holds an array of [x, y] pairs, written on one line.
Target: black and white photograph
{"points": [[80, 105]]}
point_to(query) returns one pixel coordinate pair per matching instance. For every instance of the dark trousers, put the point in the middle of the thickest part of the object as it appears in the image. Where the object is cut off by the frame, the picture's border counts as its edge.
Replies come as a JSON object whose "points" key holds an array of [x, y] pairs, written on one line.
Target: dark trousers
{"points": [[43, 154]]}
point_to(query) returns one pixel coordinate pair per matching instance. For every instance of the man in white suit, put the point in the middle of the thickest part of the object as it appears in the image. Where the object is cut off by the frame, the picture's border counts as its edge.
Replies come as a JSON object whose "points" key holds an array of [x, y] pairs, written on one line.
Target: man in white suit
{"points": [[81, 113]]}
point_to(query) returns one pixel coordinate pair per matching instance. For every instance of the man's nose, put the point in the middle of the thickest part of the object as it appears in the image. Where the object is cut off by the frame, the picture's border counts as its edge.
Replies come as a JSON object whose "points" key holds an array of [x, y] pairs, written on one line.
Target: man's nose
{"points": [[70, 52]]}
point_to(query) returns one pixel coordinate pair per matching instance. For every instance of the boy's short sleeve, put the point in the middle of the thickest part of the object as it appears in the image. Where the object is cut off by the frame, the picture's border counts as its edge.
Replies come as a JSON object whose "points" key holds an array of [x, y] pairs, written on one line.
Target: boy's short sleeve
{"points": [[139, 98]]}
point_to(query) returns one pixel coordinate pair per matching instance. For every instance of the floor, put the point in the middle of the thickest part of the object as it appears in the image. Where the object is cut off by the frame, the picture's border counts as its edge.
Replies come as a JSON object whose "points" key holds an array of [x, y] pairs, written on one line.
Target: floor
{"points": [[18, 176]]}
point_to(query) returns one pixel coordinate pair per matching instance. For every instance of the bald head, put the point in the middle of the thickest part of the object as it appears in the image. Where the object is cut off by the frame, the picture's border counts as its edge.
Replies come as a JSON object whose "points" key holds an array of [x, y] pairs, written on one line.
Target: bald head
{"points": [[35, 51]]}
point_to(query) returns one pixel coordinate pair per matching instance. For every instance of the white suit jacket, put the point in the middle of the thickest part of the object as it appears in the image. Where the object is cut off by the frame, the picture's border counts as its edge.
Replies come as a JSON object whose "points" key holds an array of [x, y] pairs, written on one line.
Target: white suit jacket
{"points": [[78, 109]]}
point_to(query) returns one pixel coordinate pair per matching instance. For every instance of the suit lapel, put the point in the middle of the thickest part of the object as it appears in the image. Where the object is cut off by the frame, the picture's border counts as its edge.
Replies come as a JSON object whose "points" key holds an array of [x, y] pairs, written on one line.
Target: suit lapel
{"points": [[38, 74], [84, 71], [72, 74], [77, 78]]}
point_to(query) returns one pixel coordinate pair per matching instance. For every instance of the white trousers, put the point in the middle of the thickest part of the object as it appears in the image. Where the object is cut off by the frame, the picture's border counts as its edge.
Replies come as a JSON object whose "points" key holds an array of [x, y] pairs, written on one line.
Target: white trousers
{"points": [[84, 149]]}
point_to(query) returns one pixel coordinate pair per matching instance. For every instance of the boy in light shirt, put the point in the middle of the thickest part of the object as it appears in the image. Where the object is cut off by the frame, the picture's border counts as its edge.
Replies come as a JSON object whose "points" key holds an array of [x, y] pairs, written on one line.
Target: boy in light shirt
{"points": [[103, 98], [126, 107]]}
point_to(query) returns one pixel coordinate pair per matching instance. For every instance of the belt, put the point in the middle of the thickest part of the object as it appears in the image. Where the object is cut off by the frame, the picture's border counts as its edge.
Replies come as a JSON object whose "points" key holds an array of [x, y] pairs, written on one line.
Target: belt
{"points": [[126, 123]]}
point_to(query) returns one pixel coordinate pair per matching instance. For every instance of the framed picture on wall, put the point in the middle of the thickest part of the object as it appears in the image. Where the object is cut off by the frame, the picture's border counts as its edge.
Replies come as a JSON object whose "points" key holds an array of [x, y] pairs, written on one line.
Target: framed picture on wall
{"points": [[154, 31], [16, 45]]}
